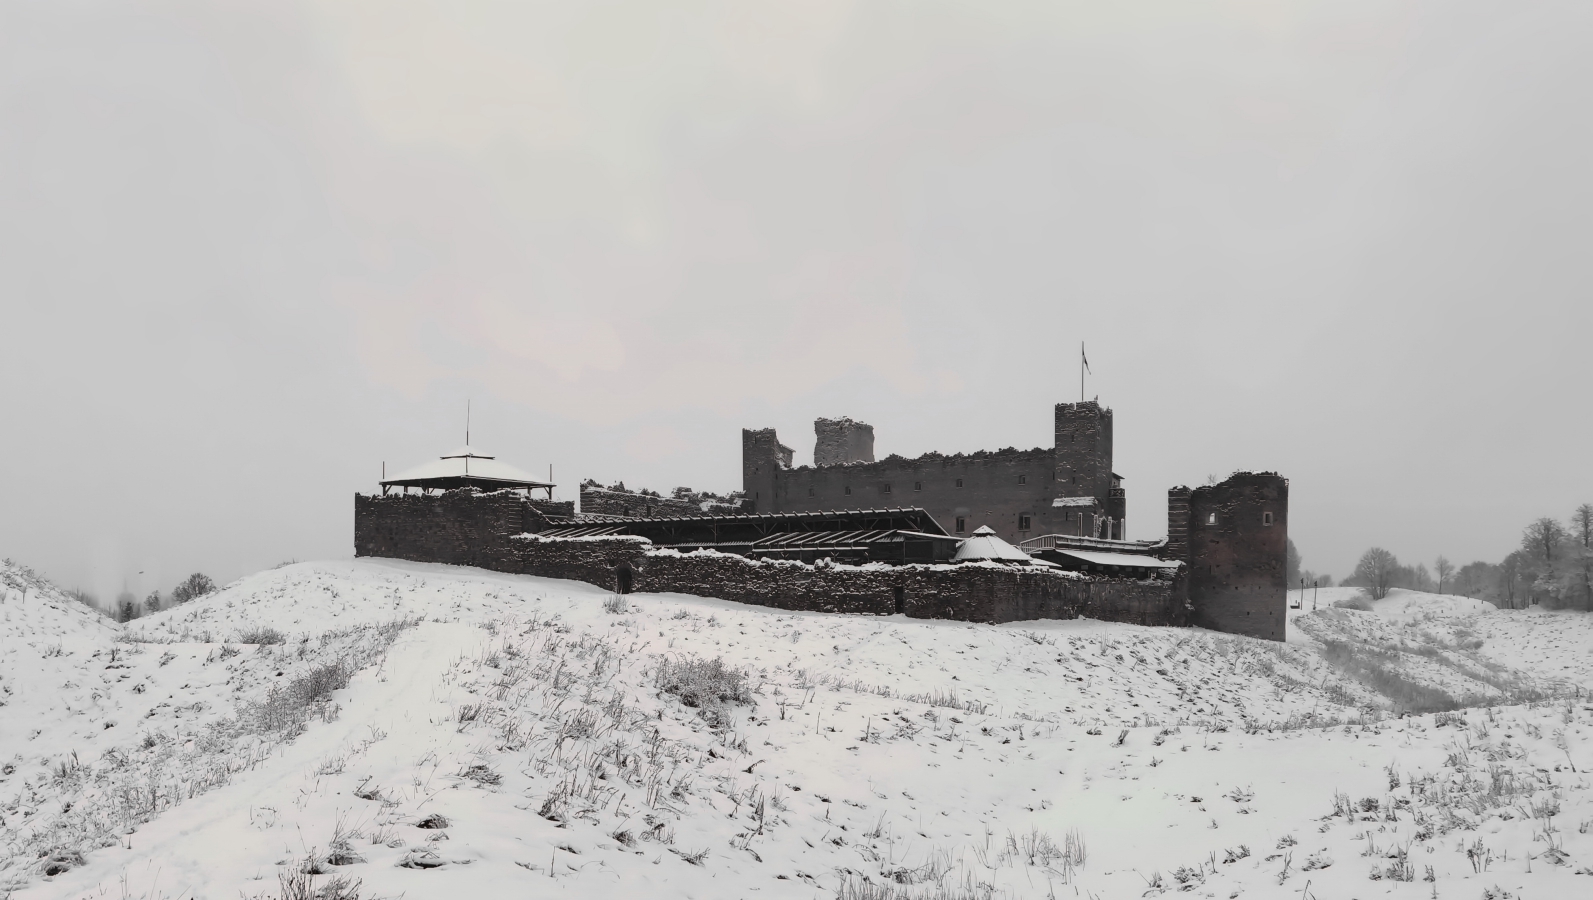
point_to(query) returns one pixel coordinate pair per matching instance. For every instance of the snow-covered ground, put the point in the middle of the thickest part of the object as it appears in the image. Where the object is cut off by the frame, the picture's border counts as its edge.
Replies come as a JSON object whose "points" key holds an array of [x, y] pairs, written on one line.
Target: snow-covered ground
{"points": [[509, 736]]}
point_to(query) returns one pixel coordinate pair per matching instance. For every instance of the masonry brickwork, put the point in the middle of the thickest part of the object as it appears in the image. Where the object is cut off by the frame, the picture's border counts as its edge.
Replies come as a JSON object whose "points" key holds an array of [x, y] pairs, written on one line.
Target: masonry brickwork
{"points": [[558, 508], [1015, 492], [485, 530], [625, 503], [1236, 533], [461, 528], [842, 441]]}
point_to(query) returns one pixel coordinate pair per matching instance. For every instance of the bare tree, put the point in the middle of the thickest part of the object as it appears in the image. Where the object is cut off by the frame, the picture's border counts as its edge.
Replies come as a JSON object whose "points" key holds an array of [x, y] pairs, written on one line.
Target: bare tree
{"points": [[1509, 574], [1377, 570], [1582, 534], [195, 585], [1444, 568], [152, 602], [1543, 543], [1542, 538]]}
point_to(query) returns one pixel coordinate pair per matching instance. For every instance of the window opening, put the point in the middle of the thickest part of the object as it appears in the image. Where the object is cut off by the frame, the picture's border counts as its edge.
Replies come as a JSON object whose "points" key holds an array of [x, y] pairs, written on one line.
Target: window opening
{"points": [[1266, 518], [962, 524], [918, 485], [1211, 518], [887, 489], [1023, 479], [959, 482], [1023, 523], [848, 490]]}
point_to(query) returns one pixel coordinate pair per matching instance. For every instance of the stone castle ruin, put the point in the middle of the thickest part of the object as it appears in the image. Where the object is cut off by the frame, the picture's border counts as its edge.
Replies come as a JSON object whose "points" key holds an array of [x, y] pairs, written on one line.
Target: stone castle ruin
{"points": [[856, 534], [1066, 489]]}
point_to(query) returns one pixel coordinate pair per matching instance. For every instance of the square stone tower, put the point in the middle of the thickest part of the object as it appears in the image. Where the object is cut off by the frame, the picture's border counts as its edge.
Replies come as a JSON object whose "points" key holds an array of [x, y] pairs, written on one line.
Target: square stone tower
{"points": [[1084, 459], [841, 441]]}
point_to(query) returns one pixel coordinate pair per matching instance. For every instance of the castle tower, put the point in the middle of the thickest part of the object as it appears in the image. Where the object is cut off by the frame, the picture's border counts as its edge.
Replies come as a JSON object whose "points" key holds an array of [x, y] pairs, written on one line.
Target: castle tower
{"points": [[1234, 540], [1084, 460], [762, 458], [841, 441]]}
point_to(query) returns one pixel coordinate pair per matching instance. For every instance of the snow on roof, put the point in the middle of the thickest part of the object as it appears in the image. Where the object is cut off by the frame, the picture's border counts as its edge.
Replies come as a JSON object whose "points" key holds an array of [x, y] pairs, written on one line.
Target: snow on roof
{"points": [[985, 544], [466, 463], [1117, 559], [1074, 501]]}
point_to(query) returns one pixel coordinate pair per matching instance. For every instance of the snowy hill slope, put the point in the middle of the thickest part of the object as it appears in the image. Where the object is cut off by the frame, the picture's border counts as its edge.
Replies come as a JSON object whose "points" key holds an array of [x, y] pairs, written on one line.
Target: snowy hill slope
{"points": [[522, 738], [1462, 633], [51, 694]]}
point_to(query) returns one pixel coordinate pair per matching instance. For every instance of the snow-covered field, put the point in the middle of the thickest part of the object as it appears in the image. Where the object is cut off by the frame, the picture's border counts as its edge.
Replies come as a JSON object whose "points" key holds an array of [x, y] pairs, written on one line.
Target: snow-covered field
{"points": [[434, 731]]}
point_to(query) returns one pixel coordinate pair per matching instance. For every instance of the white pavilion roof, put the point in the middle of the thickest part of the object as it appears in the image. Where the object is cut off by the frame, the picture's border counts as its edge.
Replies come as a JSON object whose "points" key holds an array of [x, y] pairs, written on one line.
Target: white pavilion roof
{"points": [[465, 464], [986, 544]]}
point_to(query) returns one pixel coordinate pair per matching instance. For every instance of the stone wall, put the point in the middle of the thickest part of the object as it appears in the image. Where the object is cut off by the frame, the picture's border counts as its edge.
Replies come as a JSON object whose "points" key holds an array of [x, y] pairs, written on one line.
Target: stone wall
{"points": [[1004, 489], [973, 593], [841, 441], [561, 508], [1237, 535], [462, 528], [485, 530], [624, 503], [987, 488], [1178, 523]]}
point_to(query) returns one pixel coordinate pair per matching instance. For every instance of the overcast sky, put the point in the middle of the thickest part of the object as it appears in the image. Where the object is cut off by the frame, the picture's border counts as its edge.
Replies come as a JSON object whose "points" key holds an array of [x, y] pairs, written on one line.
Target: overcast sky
{"points": [[250, 251]]}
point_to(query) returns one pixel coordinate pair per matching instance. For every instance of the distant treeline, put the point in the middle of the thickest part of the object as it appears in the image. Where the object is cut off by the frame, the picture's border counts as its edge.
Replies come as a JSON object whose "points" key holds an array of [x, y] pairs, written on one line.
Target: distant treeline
{"points": [[1553, 567], [128, 607]]}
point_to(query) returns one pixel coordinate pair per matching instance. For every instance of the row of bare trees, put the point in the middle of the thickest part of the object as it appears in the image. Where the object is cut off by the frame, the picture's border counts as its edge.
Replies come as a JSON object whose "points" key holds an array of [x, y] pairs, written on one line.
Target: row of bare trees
{"points": [[1552, 567]]}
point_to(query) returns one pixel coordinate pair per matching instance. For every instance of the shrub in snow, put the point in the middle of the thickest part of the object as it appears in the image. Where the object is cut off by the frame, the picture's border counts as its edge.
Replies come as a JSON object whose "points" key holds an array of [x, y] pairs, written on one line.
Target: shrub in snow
{"points": [[263, 634], [707, 685], [1358, 601], [194, 586]]}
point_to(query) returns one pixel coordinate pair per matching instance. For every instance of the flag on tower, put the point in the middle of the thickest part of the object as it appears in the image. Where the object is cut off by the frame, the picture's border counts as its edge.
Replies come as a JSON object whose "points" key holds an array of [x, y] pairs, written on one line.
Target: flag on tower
{"points": [[1085, 359]]}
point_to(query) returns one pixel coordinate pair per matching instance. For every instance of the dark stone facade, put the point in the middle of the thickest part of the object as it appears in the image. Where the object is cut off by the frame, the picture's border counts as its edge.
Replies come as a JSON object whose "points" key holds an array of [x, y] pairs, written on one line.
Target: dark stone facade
{"points": [[556, 508], [485, 530], [1236, 534], [841, 441], [624, 503], [1084, 451], [1005, 489], [461, 528], [972, 593]]}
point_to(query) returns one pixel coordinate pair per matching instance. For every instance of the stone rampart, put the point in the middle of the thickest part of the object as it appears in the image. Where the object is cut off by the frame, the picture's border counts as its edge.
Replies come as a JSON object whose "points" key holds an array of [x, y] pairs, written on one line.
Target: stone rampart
{"points": [[487, 530], [990, 593], [625, 503]]}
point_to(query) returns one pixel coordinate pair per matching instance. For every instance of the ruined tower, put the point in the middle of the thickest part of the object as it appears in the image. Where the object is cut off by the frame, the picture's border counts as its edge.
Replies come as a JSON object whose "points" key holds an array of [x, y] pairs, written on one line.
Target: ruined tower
{"points": [[763, 458], [1233, 537], [841, 441]]}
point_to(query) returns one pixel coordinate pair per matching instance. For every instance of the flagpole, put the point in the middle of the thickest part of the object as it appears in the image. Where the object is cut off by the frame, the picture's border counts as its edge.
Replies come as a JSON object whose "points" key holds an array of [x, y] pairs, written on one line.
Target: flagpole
{"points": [[1081, 371]]}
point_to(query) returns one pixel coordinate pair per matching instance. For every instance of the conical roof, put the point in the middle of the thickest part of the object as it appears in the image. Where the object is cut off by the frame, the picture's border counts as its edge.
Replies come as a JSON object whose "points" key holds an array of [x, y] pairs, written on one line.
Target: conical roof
{"points": [[465, 467], [986, 544]]}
